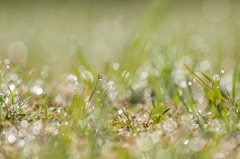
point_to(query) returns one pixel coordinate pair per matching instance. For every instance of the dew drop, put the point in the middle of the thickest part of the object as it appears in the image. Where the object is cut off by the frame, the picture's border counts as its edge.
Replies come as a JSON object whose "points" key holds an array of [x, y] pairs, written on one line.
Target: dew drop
{"points": [[197, 144], [169, 125], [17, 51], [87, 75], [116, 66], [156, 136], [100, 77], [218, 126], [144, 142], [11, 139], [125, 74]]}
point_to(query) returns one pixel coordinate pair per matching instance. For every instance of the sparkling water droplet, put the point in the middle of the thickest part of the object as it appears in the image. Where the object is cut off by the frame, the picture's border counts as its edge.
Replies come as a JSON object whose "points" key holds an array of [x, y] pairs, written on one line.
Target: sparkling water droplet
{"points": [[17, 51], [169, 125], [189, 83], [125, 74], [37, 90], [87, 75], [156, 136], [11, 139], [100, 77], [218, 126], [82, 123], [185, 142], [197, 144], [120, 111], [216, 77], [181, 147], [24, 124], [222, 71], [116, 66], [144, 142], [187, 120]]}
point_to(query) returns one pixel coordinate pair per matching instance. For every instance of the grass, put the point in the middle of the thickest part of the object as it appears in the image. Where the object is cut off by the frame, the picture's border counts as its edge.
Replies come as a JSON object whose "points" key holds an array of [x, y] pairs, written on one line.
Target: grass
{"points": [[166, 99]]}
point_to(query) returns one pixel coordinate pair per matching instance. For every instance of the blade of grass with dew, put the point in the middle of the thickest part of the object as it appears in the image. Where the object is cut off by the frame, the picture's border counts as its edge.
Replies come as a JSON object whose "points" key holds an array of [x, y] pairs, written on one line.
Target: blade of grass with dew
{"points": [[222, 93], [95, 86], [198, 78]]}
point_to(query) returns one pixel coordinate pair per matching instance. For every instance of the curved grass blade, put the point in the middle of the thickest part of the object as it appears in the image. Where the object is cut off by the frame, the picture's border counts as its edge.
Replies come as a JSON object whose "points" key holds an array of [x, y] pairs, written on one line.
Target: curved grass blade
{"points": [[166, 111]]}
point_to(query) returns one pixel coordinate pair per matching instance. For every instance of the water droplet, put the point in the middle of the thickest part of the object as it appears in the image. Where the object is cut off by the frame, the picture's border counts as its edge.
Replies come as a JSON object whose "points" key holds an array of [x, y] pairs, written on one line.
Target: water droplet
{"points": [[187, 120], [144, 142], [7, 61], [87, 75], [197, 144], [14, 77], [120, 111], [218, 126], [24, 124], [116, 66], [82, 123], [11, 139], [183, 84], [22, 133], [37, 90], [156, 136], [100, 77], [100, 142], [21, 142], [216, 77], [17, 51], [216, 10], [125, 74], [12, 87], [182, 147], [222, 71], [189, 83], [13, 131], [144, 75], [185, 142], [169, 125], [110, 84], [128, 93]]}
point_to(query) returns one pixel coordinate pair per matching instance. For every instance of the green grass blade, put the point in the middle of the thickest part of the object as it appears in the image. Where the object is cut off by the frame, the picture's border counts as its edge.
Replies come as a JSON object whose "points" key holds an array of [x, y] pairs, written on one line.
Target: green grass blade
{"points": [[197, 77], [95, 86], [234, 83], [209, 79], [83, 59], [166, 111]]}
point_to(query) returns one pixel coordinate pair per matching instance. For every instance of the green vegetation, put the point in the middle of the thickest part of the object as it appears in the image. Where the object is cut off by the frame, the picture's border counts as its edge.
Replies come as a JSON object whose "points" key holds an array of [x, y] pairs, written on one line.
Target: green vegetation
{"points": [[174, 92]]}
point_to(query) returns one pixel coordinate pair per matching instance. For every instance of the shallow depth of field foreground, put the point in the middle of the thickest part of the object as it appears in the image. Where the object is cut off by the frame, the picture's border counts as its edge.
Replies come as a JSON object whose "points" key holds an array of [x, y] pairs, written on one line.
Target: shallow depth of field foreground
{"points": [[105, 79]]}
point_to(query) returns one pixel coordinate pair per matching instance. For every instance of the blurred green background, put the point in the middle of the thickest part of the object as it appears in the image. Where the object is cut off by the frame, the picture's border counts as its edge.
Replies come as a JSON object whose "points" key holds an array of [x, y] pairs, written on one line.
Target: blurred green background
{"points": [[120, 31]]}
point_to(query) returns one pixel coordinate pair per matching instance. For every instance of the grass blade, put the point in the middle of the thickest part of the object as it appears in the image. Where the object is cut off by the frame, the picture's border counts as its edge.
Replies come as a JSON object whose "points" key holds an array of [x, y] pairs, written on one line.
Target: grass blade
{"points": [[196, 76], [234, 83], [166, 111]]}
